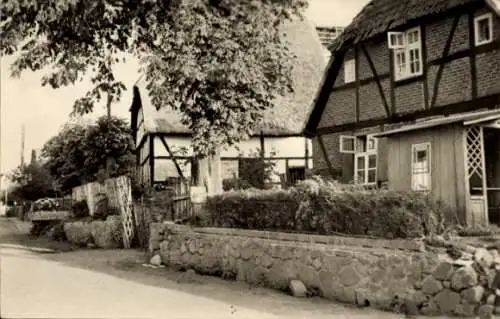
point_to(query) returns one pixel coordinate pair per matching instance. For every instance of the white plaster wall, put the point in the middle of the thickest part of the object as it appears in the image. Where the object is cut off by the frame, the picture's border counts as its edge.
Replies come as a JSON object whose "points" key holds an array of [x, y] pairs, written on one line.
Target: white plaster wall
{"points": [[281, 146], [175, 144], [165, 168]]}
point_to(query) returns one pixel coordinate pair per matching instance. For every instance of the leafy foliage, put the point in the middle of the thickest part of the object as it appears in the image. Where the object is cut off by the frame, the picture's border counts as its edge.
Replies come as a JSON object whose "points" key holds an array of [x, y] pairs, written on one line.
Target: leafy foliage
{"points": [[80, 209], [32, 182], [253, 172], [45, 204], [316, 206], [219, 62], [80, 154]]}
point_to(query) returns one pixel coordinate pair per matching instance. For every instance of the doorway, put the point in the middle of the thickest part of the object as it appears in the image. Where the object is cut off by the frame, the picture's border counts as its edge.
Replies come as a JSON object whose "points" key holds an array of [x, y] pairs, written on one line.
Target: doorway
{"points": [[492, 168]]}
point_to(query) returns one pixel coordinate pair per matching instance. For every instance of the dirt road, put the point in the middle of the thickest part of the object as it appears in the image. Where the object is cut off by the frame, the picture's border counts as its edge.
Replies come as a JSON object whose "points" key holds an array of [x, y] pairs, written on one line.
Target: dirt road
{"points": [[36, 282]]}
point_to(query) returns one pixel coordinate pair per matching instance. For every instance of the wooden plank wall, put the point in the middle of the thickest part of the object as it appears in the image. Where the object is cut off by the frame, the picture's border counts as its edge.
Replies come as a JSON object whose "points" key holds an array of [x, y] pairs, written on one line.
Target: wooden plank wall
{"points": [[447, 164]]}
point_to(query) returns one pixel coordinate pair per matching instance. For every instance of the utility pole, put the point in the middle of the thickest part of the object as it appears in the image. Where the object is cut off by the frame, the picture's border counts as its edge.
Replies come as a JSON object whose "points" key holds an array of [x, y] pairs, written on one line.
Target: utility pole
{"points": [[108, 105], [108, 159], [22, 145]]}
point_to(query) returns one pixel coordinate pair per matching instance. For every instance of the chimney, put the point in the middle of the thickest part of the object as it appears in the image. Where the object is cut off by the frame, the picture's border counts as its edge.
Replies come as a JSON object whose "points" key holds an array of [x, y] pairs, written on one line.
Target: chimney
{"points": [[328, 34]]}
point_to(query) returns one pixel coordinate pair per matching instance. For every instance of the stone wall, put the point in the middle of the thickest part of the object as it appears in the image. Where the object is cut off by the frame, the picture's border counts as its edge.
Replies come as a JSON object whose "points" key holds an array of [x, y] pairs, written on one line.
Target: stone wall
{"points": [[406, 278], [98, 233]]}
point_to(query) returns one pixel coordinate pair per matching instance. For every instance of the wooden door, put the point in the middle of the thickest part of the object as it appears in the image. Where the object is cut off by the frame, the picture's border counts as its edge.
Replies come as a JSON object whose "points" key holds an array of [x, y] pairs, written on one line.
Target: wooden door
{"points": [[477, 199]]}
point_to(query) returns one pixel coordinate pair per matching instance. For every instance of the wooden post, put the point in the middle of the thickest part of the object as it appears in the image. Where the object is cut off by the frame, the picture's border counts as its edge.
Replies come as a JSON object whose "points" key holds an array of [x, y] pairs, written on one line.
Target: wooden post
{"points": [[307, 153], [211, 174]]}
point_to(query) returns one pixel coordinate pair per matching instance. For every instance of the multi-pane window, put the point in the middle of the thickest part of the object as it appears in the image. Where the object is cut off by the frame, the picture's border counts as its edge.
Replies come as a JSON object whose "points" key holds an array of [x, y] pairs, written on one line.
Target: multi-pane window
{"points": [[365, 167], [407, 48], [349, 71], [364, 149], [483, 29], [421, 167]]}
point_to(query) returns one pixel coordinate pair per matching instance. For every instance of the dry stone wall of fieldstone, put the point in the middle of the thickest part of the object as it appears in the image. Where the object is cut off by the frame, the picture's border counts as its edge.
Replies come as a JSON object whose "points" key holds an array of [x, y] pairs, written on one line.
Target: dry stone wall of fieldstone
{"points": [[103, 234], [408, 279]]}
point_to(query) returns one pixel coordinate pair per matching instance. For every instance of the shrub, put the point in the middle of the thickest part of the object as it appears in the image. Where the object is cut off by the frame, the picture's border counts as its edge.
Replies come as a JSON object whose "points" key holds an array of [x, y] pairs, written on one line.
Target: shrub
{"points": [[253, 209], [80, 209], [101, 207], [328, 207], [45, 204]]}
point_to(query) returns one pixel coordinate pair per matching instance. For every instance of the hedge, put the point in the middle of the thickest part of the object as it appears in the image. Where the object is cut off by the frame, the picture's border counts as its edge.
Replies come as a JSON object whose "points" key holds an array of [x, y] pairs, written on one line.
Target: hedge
{"points": [[320, 207]]}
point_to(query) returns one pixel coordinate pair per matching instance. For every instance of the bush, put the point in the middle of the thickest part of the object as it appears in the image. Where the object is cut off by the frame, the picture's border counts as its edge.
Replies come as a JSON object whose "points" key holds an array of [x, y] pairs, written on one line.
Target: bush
{"points": [[318, 206], [45, 204], [253, 209], [80, 209]]}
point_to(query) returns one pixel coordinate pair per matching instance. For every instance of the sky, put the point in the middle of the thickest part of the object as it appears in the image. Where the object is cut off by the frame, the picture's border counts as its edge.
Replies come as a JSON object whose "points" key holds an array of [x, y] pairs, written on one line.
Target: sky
{"points": [[44, 110]]}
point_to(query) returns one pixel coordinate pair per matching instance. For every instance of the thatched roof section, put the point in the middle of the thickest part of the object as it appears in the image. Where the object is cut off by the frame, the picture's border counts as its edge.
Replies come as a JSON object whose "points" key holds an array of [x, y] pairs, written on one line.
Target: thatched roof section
{"points": [[379, 16], [290, 112]]}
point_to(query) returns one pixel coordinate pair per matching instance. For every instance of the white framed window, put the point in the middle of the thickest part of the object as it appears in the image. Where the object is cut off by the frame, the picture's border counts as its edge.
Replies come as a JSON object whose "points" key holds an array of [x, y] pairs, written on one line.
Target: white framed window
{"points": [[349, 71], [347, 144], [365, 168], [364, 149], [407, 50], [421, 167], [483, 29]]}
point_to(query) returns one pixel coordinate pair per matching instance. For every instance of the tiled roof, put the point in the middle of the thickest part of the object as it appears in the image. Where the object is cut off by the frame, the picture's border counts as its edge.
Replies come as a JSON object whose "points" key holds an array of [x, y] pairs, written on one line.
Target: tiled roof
{"points": [[327, 35]]}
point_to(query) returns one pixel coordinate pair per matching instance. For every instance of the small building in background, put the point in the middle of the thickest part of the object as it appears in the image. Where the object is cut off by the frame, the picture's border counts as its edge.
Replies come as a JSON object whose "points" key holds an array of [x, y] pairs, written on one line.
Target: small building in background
{"points": [[163, 143]]}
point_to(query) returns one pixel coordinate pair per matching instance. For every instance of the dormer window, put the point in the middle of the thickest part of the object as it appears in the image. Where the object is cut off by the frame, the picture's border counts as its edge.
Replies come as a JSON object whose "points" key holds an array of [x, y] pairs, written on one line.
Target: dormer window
{"points": [[483, 29], [407, 52]]}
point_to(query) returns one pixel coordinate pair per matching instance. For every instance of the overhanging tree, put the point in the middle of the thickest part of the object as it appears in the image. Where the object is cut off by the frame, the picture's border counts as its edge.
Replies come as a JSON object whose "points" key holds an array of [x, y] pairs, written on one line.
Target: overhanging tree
{"points": [[219, 62], [80, 153]]}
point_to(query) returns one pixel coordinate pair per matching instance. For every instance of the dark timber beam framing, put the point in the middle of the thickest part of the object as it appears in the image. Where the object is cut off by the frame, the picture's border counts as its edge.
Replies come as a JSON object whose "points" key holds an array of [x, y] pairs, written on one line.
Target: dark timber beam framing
{"points": [[393, 85], [484, 102], [446, 51], [325, 155], [425, 67], [377, 80], [152, 158], [472, 57], [356, 76], [179, 171], [144, 161], [324, 94], [495, 45]]}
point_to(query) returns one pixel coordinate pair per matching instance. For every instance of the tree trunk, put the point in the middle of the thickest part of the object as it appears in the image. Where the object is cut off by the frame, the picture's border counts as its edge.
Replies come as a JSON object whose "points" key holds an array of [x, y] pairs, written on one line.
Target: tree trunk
{"points": [[210, 175]]}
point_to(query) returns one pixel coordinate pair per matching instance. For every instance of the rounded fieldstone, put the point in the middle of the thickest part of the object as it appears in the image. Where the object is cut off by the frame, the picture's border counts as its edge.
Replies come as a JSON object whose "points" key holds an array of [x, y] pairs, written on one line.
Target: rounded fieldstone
{"points": [[485, 312], [473, 294], [431, 286], [297, 288], [464, 277], [447, 300], [266, 261], [483, 257], [443, 271], [491, 299], [465, 310], [348, 276], [431, 309], [155, 260]]}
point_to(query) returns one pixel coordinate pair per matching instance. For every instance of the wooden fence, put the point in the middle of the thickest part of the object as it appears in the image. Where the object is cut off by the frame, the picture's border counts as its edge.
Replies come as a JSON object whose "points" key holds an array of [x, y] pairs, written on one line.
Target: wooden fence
{"points": [[169, 202], [118, 191], [92, 192]]}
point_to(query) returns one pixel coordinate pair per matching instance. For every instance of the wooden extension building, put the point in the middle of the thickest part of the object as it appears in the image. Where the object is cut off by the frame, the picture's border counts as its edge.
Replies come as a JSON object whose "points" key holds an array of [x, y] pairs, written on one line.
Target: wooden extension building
{"points": [[411, 100]]}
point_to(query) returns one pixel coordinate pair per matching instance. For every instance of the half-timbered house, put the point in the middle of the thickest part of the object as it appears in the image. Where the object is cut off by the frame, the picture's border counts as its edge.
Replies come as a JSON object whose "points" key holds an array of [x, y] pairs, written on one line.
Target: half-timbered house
{"points": [[410, 100], [163, 143]]}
